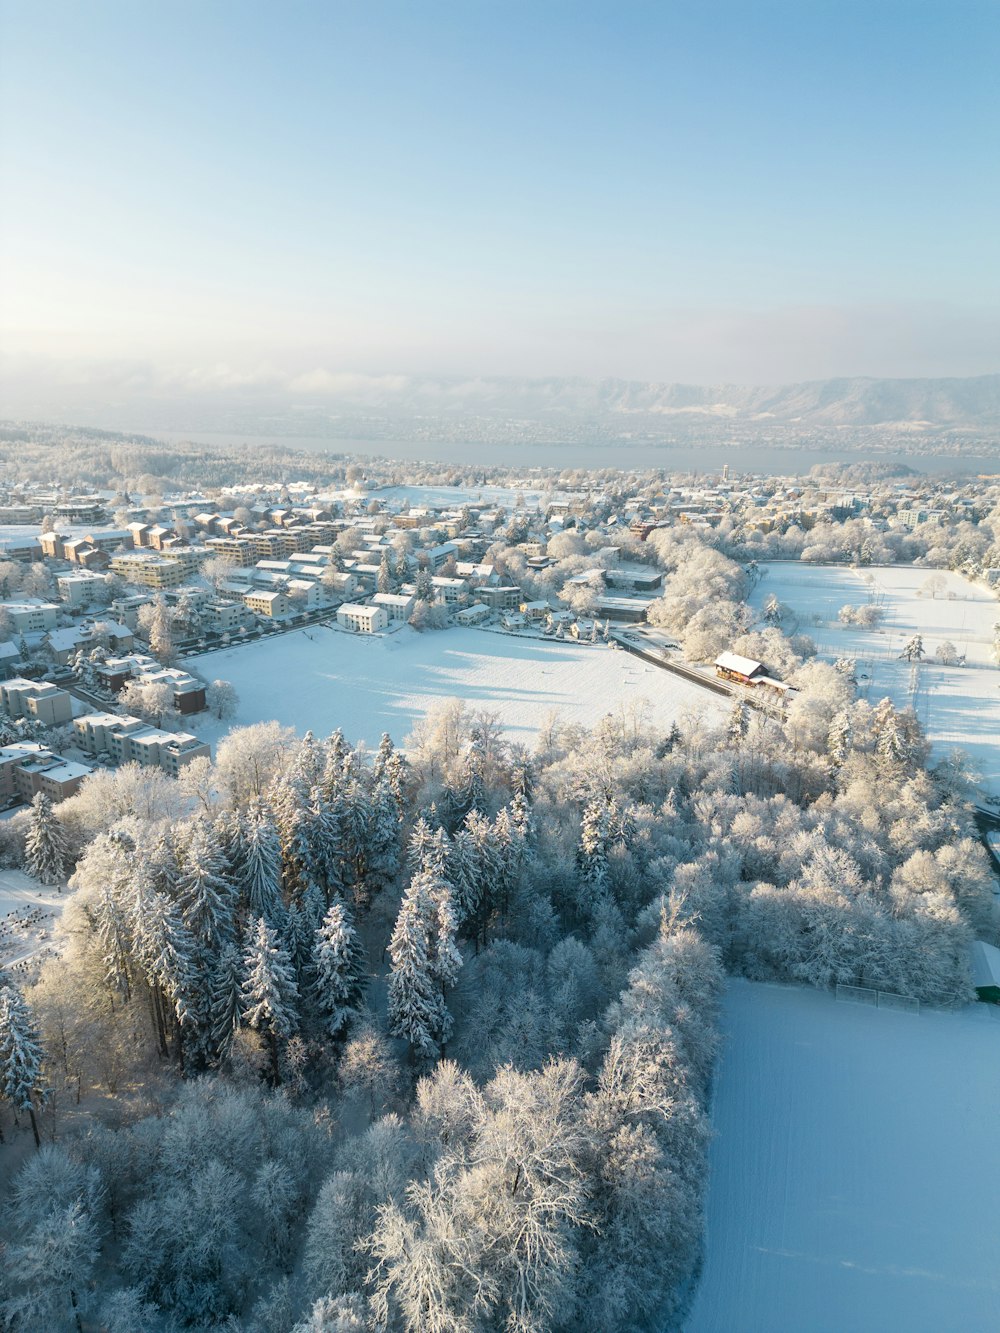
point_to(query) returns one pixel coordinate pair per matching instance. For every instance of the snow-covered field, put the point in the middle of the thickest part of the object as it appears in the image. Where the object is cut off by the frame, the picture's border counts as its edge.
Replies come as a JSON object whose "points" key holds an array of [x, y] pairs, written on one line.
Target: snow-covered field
{"points": [[530, 495], [28, 911], [319, 679], [855, 1172], [958, 705]]}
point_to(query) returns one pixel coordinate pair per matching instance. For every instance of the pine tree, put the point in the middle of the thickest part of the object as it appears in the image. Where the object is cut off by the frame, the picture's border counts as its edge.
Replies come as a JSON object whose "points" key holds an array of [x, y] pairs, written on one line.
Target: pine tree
{"points": [[383, 754], [270, 995], [415, 1000], [338, 962], [383, 839], [258, 862], [45, 845], [839, 738], [226, 998], [914, 650], [356, 817], [166, 952], [592, 854], [739, 723], [20, 1055], [386, 578], [204, 890]]}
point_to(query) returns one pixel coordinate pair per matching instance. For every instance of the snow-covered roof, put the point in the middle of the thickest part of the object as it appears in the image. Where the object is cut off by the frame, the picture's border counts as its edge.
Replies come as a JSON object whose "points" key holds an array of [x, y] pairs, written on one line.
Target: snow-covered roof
{"points": [[743, 666], [985, 964]]}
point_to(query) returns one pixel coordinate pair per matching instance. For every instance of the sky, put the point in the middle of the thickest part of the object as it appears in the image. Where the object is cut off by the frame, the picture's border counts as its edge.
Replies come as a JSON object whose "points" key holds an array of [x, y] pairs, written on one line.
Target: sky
{"points": [[210, 194]]}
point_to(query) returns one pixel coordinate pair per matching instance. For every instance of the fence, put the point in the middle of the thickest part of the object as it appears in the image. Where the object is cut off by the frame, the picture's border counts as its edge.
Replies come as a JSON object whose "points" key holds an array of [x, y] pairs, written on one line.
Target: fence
{"points": [[878, 999]]}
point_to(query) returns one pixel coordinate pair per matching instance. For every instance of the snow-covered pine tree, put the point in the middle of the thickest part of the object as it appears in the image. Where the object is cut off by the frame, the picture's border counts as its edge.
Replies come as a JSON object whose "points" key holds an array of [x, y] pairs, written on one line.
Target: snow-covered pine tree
{"points": [[415, 1001], [838, 742], [226, 998], [21, 1054], [45, 845], [739, 723], [383, 839], [166, 952], [338, 962], [205, 890], [382, 756], [270, 994], [258, 863], [337, 757]]}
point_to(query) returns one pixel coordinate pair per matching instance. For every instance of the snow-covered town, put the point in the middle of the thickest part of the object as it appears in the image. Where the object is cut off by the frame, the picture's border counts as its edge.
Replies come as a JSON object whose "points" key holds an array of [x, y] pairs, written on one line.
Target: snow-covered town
{"points": [[499, 667], [334, 789]]}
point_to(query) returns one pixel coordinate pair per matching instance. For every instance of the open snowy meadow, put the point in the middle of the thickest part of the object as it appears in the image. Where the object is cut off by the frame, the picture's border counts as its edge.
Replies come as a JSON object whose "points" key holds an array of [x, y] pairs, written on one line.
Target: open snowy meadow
{"points": [[958, 705], [319, 679], [855, 1172]]}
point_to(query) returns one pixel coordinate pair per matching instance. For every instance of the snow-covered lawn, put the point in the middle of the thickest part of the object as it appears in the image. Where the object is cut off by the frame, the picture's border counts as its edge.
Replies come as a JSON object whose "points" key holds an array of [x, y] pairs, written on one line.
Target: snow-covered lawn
{"points": [[28, 911], [855, 1172], [319, 679], [958, 705]]}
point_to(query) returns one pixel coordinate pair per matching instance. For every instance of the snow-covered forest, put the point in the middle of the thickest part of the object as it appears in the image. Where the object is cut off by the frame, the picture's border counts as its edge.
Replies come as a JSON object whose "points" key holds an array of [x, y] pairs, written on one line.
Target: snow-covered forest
{"points": [[342, 1040]]}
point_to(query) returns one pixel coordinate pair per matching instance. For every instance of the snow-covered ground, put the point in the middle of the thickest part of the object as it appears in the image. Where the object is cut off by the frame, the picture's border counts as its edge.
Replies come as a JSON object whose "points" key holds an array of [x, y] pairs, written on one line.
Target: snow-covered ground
{"points": [[530, 495], [28, 911], [855, 1172], [959, 706], [319, 679]]}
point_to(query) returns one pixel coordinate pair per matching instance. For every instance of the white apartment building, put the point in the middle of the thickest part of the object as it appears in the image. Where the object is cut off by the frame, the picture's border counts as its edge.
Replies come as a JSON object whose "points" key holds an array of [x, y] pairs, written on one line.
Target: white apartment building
{"points": [[398, 605], [80, 589], [270, 604], [363, 619], [449, 590], [125, 740], [32, 615], [45, 703]]}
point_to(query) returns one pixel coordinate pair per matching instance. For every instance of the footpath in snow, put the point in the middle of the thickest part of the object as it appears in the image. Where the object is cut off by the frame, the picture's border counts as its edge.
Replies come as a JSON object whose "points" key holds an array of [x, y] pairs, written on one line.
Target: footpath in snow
{"points": [[856, 1170]]}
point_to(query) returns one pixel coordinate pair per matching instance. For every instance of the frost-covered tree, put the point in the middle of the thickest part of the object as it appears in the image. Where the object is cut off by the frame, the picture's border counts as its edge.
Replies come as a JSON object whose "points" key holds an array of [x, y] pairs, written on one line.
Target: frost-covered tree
{"points": [[338, 962], [270, 992], [417, 1010], [154, 621], [222, 699], [45, 845], [914, 649], [204, 890], [257, 869], [21, 1055]]}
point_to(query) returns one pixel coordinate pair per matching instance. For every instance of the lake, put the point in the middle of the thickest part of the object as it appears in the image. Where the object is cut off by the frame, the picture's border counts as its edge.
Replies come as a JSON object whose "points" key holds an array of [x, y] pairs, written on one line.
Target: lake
{"points": [[767, 459]]}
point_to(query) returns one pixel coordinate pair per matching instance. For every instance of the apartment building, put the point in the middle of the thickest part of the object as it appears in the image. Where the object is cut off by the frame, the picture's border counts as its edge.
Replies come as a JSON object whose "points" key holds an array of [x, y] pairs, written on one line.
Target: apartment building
{"points": [[398, 605], [32, 616], [80, 589], [124, 740], [505, 597], [240, 550], [363, 619], [449, 591], [188, 691], [36, 699], [149, 571], [27, 768], [272, 605]]}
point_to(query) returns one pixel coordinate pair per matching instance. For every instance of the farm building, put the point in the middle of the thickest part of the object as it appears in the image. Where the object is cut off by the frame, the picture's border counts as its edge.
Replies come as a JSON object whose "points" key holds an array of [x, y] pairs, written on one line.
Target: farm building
{"points": [[742, 670]]}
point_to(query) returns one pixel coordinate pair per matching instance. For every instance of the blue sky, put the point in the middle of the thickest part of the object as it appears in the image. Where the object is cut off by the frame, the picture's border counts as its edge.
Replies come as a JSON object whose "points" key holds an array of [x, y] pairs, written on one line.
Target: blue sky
{"points": [[703, 191]]}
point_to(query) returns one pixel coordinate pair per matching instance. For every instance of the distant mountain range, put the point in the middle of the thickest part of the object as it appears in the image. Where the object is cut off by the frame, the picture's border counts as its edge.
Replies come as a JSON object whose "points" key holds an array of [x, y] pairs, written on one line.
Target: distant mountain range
{"points": [[910, 403]]}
